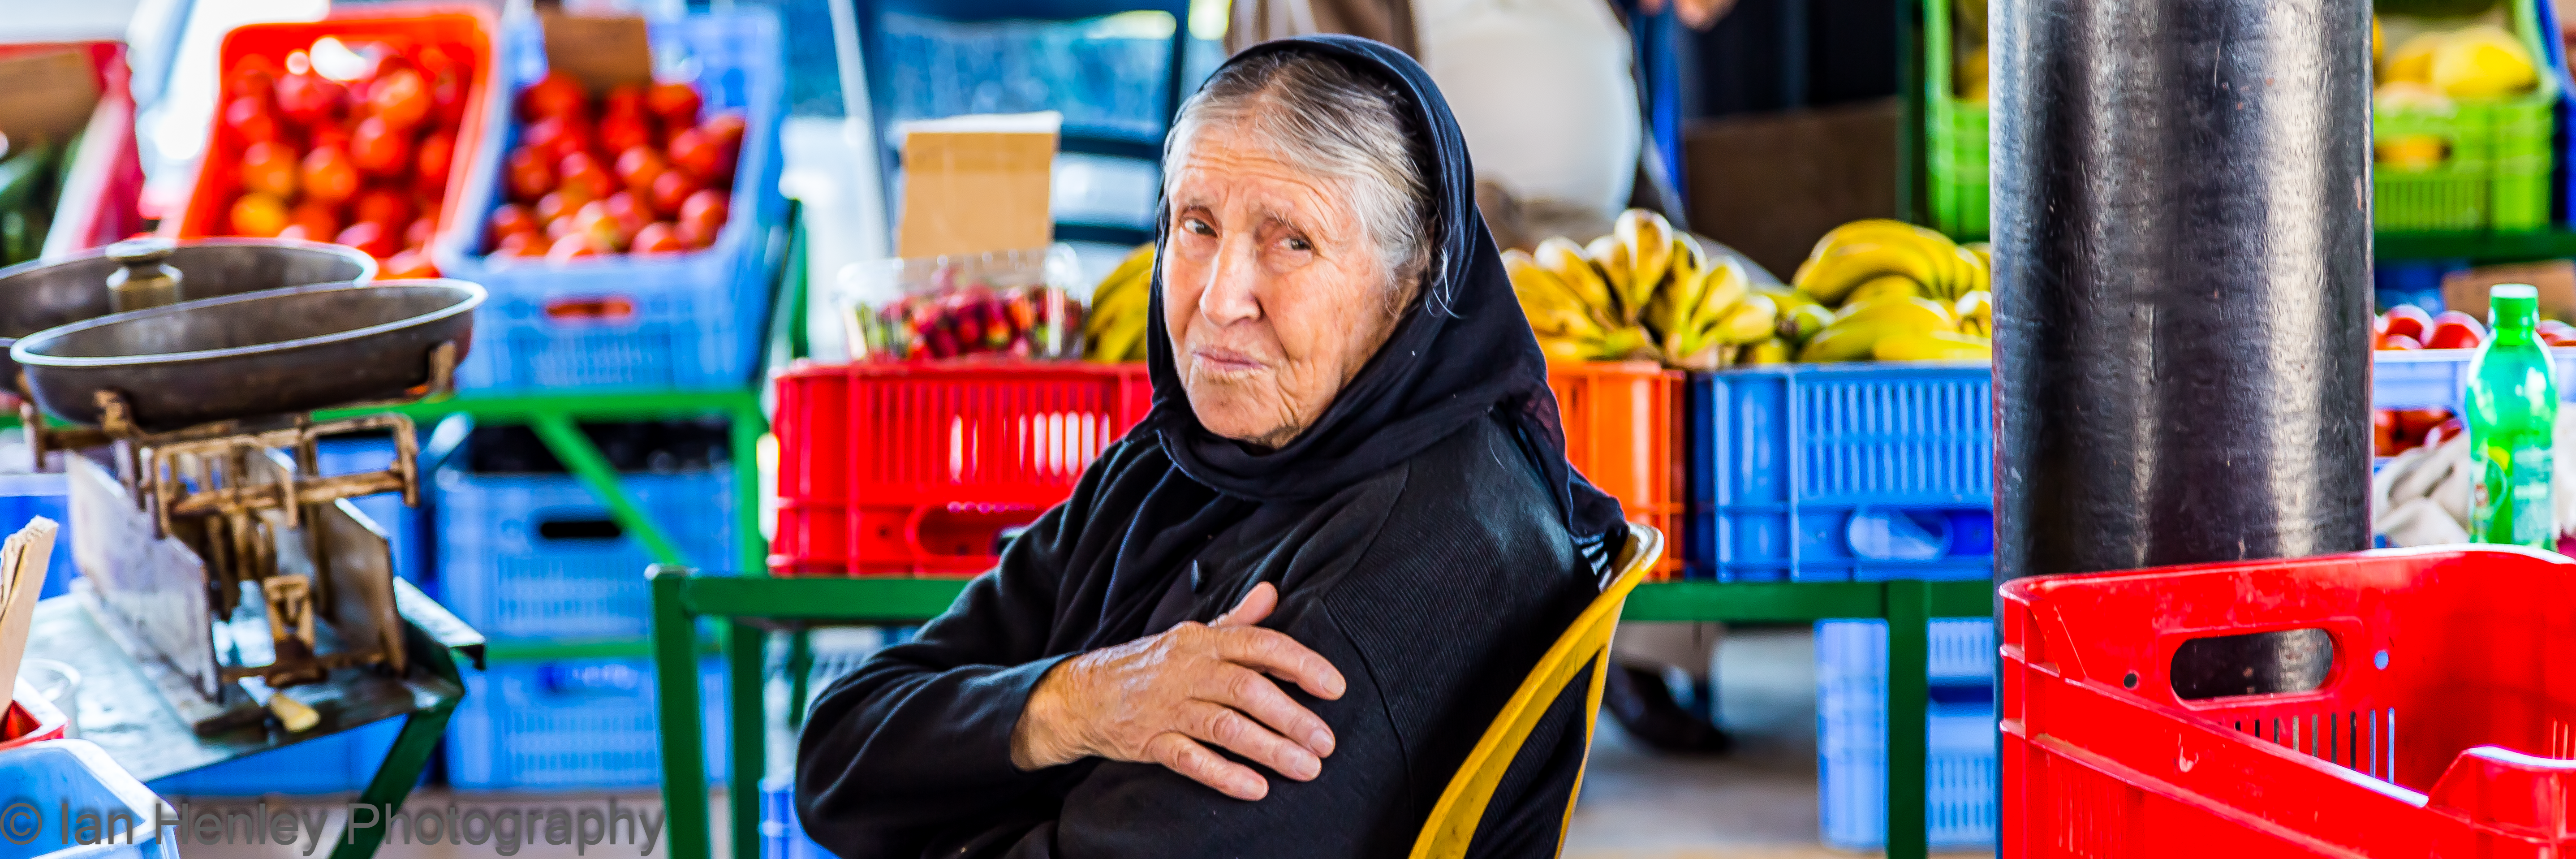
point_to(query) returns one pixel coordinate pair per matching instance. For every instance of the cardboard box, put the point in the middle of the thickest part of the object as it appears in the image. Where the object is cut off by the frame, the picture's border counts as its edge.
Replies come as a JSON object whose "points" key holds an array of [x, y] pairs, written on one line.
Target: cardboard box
{"points": [[977, 184], [2466, 290]]}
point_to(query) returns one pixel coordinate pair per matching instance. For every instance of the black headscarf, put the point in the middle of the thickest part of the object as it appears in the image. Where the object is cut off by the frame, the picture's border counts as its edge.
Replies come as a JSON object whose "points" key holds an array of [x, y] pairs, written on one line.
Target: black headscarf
{"points": [[1464, 351]]}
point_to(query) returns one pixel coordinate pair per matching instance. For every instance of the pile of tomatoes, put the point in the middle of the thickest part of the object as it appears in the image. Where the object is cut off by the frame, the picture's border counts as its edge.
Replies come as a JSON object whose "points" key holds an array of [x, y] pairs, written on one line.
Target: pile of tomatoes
{"points": [[2396, 431], [2407, 327], [362, 162], [634, 171]]}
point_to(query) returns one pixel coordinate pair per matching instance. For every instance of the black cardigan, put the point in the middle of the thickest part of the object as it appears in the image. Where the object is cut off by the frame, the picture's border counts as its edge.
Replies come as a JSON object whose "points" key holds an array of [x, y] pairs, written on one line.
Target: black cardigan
{"points": [[1433, 586]]}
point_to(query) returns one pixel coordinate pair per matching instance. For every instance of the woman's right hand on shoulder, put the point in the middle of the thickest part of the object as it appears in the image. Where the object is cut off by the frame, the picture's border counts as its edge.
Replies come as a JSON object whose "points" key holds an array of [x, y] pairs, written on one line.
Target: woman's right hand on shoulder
{"points": [[1159, 698]]}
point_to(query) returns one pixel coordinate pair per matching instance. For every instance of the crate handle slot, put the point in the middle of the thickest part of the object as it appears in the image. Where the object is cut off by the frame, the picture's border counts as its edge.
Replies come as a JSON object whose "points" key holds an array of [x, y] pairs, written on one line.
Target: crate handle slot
{"points": [[1884, 534], [590, 310], [611, 678], [2254, 663], [580, 529]]}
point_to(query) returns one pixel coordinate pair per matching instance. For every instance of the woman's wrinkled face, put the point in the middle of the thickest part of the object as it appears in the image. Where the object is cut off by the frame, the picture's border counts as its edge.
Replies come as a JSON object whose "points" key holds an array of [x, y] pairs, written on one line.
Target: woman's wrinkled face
{"points": [[1272, 289]]}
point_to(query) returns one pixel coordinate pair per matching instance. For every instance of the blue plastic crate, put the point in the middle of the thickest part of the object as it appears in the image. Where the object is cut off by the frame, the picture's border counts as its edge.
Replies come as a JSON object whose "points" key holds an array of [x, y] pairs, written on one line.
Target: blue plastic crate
{"points": [[698, 317], [2440, 378], [575, 724], [402, 525], [539, 557], [339, 763], [78, 773], [1961, 651], [23, 497], [1960, 773], [781, 836], [1858, 472]]}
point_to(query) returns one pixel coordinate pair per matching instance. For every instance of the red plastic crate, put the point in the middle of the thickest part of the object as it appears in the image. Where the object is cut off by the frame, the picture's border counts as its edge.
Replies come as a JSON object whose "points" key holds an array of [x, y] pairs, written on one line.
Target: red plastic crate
{"points": [[916, 469], [2440, 724], [30, 719], [104, 183], [461, 28], [1623, 421]]}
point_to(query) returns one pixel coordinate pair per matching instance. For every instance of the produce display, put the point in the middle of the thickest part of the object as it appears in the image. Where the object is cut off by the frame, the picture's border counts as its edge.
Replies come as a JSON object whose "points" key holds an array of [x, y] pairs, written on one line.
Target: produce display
{"points": [[2434, 68], [2396, 431], [1890, 291], [1644, 292], [996, 305], [31, 182], [2421, 497], [1114, 331], [2407, 327], [635, 170], [346, 142]]}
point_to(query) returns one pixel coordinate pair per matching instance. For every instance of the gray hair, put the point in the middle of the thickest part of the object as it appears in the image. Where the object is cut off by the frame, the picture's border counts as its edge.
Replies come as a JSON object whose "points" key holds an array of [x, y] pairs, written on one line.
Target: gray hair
{"points": [[1329, 121]]}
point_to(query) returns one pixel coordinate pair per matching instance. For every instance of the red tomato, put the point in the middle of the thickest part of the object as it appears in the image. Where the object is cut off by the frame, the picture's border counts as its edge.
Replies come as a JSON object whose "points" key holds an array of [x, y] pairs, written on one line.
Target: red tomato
{"points": [[269, 168], [658, 237], [418, 235], [328, 175], [693, 151], [579, 171], [2446, 430], [558, 206], [2383, 433], [557, 137], [621, 132], [437, 156], [331, 136], [2406, 320], [310, 99], [726, 129], [320, 221], [2411, 424], [400, 98], [630, 213], [447, 78], [384, 206], [623, 100], [530, 175], [694, 235], [706, 209], [248, 116], [671, 189], [555, 95], [2456, 330], [676, 104], [379, 148], [409, 264], [595, 221], [560, 227], [2556, 333], [255, 75], [509, 218], [369, 236], [638, 167], [522, 245], [258, 215], [570, 247], [2399, 343]]}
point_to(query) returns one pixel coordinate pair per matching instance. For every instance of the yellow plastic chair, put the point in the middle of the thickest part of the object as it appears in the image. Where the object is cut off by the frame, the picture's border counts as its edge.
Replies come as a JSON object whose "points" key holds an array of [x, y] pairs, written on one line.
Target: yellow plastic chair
{"points": [[1586, 643]]}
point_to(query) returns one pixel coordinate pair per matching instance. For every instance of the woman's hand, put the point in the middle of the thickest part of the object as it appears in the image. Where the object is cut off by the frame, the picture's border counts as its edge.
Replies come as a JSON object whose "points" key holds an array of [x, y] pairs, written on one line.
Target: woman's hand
{"points": [[1156, 699]]}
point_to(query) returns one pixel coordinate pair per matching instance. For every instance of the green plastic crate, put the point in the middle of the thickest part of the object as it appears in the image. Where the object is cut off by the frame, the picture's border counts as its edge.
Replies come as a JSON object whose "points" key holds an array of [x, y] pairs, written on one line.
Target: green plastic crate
{"points": [[2497, 178]]}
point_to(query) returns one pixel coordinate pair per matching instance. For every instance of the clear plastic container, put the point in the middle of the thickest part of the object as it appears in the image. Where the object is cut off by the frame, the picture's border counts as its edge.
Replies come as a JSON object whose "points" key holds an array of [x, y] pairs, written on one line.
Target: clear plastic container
{"points": [[1015, 304]]}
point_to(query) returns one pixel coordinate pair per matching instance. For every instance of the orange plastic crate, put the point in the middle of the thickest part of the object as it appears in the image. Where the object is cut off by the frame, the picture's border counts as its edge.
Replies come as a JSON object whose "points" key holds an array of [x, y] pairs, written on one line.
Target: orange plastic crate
{"points": [[463, 29], [1622, 422]]}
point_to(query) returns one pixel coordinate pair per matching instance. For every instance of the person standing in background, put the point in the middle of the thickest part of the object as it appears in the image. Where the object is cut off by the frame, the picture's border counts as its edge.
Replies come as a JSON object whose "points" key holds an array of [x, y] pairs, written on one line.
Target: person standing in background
{"points": [[1544, 94]]}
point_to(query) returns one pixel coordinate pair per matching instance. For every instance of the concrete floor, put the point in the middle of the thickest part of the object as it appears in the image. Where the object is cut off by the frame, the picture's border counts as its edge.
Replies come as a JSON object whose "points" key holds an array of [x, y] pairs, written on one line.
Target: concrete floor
{"points": [[1756, 803]]}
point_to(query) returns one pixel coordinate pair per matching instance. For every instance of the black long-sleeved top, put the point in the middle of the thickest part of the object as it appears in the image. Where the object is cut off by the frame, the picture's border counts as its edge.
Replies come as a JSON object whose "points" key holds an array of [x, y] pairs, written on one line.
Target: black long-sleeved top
{"points": [[1433, 586]]}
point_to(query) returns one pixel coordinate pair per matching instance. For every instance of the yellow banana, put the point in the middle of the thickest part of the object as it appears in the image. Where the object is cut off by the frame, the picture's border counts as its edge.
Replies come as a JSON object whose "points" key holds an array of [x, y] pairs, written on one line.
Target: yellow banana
{"points": [[1647, 240], [1754, 320], [1563, 258], [1626, 343], [1885, 286], [1831, 278], [1569, 350], [1917, 314], [1845, 342], [1801, 325], [1620, 273], [1670, 309], [1932, 346], [1772, 351], [1552, 307], [1879, 231], [1976, 313], [1788, 299]]}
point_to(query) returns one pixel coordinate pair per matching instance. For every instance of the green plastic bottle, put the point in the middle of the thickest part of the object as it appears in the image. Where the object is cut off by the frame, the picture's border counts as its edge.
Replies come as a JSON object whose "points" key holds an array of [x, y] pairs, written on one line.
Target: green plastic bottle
{"points": [[2513, 416]]}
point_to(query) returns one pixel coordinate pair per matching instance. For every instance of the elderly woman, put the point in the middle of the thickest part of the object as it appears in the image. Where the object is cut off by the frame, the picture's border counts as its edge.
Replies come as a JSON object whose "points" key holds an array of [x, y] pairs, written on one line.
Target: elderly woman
{"points": [[1273, 619]]}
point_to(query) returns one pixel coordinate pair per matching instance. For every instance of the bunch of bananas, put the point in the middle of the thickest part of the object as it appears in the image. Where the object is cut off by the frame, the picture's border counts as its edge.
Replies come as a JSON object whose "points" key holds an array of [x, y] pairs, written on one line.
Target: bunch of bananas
{"points": [[1120, 306], [1644, 292], [1887, 291]]}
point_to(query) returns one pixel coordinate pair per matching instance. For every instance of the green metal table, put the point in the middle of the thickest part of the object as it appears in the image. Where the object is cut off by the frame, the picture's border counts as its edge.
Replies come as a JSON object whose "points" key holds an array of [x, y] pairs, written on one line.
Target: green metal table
{"points": [[754, 606]]}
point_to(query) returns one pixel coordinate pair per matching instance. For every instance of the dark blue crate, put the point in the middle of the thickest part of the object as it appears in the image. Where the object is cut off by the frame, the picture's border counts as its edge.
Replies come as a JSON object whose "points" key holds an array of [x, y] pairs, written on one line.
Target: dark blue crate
{"points": [[76, 774], [574, 724], [781, 836], [2440, 379], [402, 525], [698, 317], [339, 763], [1960, 766], [532, 557], [1957, 650], [1858, 472], [23, 497]]}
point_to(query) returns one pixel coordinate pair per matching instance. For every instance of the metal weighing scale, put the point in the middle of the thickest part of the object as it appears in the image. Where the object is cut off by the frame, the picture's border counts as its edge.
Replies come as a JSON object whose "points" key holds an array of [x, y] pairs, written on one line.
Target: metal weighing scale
{"points": [[232, 599]]}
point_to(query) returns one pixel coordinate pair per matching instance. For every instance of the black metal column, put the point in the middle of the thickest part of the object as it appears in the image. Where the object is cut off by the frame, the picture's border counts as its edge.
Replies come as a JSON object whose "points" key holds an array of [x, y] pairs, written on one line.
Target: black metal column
{"points": [[2182, 245]]}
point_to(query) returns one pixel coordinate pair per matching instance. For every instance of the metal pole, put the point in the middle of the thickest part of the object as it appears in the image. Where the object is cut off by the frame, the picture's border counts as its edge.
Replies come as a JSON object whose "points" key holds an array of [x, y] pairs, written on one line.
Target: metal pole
{"points": [[2182, 235]]}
